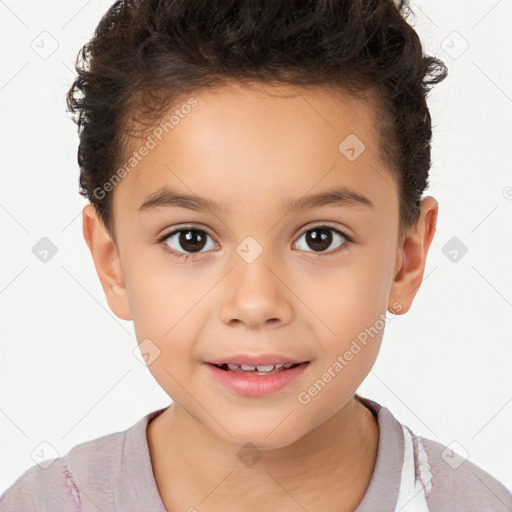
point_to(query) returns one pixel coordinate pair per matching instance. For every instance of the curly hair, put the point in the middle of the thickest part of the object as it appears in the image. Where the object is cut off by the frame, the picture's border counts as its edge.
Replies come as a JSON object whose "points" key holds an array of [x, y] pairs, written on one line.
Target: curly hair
{"points": [[146, 55]]}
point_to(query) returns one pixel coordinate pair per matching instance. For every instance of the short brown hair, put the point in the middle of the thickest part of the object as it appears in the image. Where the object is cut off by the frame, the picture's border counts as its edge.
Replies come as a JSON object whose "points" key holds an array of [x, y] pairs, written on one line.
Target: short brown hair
{"points": [[146, 54]]}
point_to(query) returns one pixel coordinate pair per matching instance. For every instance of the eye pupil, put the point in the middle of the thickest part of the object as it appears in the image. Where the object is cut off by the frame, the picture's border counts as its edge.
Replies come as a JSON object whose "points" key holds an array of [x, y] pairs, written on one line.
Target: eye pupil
{"points": [[187, 237], [319, 236]]}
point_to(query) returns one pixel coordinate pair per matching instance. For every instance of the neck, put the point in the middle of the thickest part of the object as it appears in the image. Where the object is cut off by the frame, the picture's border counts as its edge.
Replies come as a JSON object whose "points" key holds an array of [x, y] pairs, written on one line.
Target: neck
{"points": [[190, 464]]}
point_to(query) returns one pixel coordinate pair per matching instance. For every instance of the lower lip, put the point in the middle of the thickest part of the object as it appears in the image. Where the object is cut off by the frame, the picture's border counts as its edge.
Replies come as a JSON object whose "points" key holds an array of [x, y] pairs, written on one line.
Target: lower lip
{"points": [[256, 385]]}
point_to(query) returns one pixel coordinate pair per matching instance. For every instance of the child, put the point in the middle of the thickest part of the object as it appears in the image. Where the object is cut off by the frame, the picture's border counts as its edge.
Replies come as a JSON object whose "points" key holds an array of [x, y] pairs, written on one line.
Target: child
{"points": [[291, 142]]}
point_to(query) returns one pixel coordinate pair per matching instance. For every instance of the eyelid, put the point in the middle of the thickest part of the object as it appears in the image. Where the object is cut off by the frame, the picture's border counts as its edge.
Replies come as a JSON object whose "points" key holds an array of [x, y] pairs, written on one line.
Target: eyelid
{"points": [[177, 229], [326, 224]]}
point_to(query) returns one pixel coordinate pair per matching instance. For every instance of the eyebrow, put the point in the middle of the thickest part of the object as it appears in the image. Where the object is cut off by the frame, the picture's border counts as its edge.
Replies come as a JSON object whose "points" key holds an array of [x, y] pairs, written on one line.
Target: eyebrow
{"points": [[166, 197], [341, 196]]}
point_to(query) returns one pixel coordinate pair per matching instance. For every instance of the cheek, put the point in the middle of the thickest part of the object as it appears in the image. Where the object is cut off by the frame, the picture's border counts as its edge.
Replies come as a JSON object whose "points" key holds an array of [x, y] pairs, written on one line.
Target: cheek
{"points": [[159, 292], [162, 318], [351, 306], [166, 306], [351, 297], [369, 278]]}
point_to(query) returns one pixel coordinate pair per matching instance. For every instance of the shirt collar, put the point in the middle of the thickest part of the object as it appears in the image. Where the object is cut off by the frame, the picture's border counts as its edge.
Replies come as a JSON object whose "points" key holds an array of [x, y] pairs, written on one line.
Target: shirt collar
{"points": [[382, 493], [135, 485]]}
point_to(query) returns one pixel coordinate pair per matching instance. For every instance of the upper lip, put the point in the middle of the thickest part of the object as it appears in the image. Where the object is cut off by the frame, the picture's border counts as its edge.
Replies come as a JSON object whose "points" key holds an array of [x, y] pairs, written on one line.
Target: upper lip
{"points": [[256, 360]]}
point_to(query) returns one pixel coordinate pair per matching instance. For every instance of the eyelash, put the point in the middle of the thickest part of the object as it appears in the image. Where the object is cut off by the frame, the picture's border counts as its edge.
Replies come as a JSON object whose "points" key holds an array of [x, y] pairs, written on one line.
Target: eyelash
{"points": [[184, 256]]}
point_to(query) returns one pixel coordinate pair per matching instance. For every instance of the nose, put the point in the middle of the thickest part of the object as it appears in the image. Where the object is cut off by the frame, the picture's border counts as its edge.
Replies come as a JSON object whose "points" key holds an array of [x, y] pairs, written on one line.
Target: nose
{"points": [[256, 293]]}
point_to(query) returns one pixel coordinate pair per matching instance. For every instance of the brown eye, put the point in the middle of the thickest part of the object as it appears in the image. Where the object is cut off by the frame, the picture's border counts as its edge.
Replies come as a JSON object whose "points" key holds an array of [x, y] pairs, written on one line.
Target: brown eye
{"points": [[320, 238], [187, 240], [191, 240]]}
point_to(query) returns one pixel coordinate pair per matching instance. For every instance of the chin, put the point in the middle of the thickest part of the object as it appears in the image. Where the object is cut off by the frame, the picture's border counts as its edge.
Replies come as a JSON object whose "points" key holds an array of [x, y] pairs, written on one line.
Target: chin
{"points": [[262, 437]]}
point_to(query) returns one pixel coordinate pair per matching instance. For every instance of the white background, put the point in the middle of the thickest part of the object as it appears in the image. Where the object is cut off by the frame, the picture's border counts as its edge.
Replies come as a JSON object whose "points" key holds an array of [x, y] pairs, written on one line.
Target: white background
{"points": [[67, 369]]}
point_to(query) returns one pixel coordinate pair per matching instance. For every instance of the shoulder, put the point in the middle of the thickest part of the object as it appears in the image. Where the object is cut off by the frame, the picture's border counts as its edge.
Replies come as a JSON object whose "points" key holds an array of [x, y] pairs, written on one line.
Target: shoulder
{"points": [[454, 483], [80, 480]]}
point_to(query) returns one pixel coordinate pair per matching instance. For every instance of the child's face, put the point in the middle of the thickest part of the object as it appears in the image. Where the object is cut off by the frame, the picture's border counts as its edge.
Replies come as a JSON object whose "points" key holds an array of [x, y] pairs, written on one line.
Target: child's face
{"points": [[300, 297]]}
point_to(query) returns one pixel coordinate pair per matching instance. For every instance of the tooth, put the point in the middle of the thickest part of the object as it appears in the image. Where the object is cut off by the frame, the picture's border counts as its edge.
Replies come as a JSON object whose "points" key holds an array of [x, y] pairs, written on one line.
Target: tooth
{"points": [[247, 367], [287, 365], [267, 368], [278, 365], [232, 366]]}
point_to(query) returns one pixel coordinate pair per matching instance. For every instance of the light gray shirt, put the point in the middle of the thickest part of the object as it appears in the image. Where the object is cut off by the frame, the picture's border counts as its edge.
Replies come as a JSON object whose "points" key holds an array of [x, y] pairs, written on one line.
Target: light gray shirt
{"points": [[114, 473]]}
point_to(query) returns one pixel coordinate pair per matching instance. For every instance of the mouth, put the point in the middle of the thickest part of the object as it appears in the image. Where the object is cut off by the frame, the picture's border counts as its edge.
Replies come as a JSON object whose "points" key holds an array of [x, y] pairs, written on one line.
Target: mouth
{"points": [[245, 369], [267, 375]]}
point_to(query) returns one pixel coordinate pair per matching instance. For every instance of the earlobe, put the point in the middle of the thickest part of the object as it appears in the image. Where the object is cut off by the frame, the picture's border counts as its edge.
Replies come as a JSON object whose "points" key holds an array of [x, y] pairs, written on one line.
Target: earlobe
{"points": [[412, 257], [106, 261]]}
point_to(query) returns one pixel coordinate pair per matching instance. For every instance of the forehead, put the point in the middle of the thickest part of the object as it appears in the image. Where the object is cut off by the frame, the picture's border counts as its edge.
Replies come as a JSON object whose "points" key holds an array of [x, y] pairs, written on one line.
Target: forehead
{"points": [[267, 142]]}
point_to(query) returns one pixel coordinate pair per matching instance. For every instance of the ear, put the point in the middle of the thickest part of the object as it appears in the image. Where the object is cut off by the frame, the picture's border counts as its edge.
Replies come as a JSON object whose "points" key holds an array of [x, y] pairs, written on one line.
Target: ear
{"points": [[106, 260], [412, 257]]}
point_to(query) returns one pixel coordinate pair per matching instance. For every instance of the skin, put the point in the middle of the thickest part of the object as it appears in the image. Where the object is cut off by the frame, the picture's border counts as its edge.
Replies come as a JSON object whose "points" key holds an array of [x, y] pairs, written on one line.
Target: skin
{"points": [[250, 148]]}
